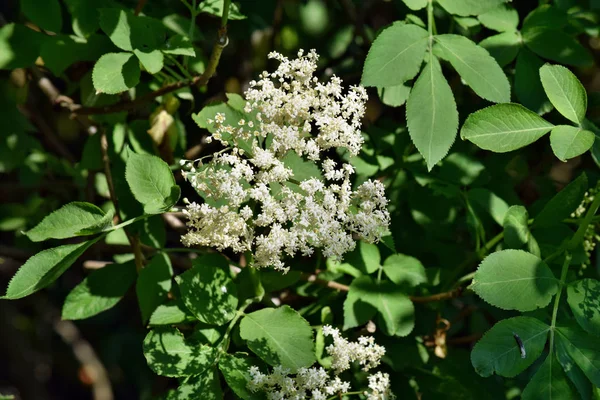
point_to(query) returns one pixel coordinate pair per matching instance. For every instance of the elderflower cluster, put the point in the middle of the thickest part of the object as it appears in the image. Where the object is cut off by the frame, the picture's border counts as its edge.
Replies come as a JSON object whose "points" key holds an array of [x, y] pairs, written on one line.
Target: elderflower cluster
{"points": [[275, 190], [343, 352], [591, 238], [316, 383], [309, 383], [588, 198]]}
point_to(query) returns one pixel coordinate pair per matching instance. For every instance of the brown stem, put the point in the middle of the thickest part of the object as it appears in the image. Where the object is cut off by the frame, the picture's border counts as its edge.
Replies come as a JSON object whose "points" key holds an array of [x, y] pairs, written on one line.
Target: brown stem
{"points": [[330, 284], [134, 241], [438, 297], [415, 299], [140, 6]]}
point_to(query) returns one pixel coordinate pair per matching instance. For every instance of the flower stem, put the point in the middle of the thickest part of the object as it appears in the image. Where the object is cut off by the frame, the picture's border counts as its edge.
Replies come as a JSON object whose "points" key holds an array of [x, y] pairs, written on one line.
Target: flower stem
{"points": [[563, 277]]}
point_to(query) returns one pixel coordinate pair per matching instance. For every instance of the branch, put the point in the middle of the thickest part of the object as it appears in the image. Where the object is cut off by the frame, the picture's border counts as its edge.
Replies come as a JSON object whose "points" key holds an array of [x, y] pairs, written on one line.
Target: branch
{"points": [[133, 240], [415, 299], [200, 80], [140, 6]]}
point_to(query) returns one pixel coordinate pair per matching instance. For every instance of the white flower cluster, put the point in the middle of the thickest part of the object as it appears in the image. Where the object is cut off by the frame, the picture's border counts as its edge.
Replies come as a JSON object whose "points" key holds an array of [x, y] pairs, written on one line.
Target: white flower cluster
{"points": [[379, 384], [309, 383], [316, 383], [343, 352], [276, 192]]}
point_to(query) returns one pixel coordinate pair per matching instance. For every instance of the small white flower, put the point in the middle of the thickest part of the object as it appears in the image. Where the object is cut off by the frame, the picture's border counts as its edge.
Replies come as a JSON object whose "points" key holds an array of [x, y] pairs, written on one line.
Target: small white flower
{"points": [[294, 113]]}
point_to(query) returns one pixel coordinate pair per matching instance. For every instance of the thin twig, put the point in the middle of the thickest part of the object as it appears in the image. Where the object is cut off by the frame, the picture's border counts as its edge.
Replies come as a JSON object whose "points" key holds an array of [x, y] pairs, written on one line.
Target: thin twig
{"points": [[200, 80], [415, 299], [134, 241], [140, 6]]}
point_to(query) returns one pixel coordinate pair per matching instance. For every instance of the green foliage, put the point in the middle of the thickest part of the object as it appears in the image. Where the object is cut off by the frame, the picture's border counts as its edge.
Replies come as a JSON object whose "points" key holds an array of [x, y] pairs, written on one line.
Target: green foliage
{"points": [[431, 114], [565, 92], [44, 268], [107, 104], [475, 66], [153, 284], [151, 182], [100, 291], [529, 279], [368, 298], [504, 127], [46, 15], [498, 352], [209, 293], [395, 56], [279, 336], [73, 219], [116, 73], [583, 297], [169, 354], [549, 382], [563, 203]]}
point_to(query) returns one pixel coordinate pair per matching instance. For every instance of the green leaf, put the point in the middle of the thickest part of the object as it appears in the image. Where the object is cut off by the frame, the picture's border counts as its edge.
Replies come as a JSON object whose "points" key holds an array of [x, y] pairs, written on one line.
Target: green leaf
{"points": [[116, 73], [526, 277], [489, 202], [151, 182], [583, 297], [516, 229], [574, 373], [179, 45], [549, 382], [169, 354], [279, 336], [19, 46], [235, 369], [565, 91], [469, 7], [395, 311], [209, 293], [404, 270], [68, 221], [584, 349], [173, 312], [153, 61], [395, 56], [215, 7], [528, 86], [504, 127], [475, 66], [205, 386], [569, 141], [301, 168], [498, 352], [557, 46], [98, 292], [394, 96], [563, 203], [431, 114], [44, 268], [130, 32], [61, 51], [45, 14], [85, 16], [154, 284], [504, 47], [415, 4], [370, 256], [502, 18], [545, 16]]}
